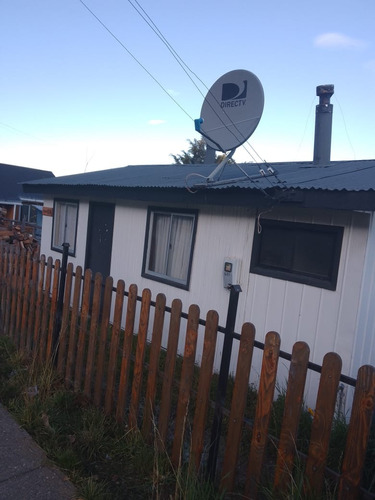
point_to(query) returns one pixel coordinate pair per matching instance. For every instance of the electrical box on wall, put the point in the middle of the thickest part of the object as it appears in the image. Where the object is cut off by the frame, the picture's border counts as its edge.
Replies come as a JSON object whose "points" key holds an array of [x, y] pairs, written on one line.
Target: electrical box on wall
{"points": [[230, 272]]}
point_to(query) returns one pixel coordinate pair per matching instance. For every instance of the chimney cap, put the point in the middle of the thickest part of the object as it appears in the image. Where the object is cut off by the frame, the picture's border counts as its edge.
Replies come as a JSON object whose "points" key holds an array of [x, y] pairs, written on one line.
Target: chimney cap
{"points": [[325, 90]]}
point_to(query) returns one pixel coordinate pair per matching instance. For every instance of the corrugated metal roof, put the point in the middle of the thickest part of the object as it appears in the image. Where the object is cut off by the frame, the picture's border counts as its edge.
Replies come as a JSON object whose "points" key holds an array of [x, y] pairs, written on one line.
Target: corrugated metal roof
{"points": [[342, 176], [12, 175]]}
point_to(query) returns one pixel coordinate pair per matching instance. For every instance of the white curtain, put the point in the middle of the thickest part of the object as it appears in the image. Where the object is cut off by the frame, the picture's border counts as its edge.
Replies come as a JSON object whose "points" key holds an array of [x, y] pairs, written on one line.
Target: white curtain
{"points": [[65, 220], [180, 247]]}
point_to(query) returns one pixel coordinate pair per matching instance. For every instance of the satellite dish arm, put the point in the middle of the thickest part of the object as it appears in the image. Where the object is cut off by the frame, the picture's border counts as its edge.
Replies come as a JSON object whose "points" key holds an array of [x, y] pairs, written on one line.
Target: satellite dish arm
{"points": [[215, 174], [198, 122]]}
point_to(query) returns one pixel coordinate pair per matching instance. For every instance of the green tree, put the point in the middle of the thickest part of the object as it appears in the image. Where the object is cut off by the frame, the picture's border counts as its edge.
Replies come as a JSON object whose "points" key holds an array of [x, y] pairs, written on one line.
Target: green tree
{"points": [[195, 154]]}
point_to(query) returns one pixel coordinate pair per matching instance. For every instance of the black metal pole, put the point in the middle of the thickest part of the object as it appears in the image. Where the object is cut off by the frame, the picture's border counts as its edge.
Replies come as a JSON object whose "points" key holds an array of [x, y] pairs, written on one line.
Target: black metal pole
{"points": [[223, 380], [60, 300]]}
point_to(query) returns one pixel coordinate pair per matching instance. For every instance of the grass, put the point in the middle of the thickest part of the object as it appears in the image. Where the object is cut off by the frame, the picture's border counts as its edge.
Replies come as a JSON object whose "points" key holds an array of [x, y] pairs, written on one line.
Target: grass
{"points": [[102, 458]]}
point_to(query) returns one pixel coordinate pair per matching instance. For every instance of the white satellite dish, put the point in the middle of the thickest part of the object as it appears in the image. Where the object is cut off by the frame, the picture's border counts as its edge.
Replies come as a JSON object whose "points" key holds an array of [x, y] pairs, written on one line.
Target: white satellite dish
{"points": [[231, 110]]}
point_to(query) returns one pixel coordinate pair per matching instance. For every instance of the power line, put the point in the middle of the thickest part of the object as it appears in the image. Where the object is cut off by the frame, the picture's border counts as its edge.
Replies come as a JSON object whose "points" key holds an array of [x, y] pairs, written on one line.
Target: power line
{"points": [[135, 58]]}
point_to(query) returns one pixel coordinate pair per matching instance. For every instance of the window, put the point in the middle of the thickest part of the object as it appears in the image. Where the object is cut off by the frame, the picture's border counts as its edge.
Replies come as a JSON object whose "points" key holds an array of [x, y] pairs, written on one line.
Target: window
{"points": [[65, 216], [169, 246], [304, 253]]}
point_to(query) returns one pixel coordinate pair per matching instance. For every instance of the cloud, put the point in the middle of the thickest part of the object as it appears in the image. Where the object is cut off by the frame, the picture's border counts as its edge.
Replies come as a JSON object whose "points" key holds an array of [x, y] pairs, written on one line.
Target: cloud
{"points": [[337, 41], [156, 122]]}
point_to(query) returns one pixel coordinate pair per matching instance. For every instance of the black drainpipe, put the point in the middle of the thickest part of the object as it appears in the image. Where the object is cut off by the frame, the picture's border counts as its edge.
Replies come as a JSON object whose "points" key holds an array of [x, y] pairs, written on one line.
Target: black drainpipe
{"points": [[323, 125]]}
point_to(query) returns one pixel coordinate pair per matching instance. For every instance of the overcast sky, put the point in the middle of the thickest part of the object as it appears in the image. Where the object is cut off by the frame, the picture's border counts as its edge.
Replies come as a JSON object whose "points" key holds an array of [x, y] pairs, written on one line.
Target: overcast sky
{"points": [[73, 99]]}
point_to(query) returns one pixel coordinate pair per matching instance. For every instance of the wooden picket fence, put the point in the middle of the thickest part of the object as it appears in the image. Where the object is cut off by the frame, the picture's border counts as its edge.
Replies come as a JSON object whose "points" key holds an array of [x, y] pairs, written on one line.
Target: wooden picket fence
{"points": [[96, 355]]}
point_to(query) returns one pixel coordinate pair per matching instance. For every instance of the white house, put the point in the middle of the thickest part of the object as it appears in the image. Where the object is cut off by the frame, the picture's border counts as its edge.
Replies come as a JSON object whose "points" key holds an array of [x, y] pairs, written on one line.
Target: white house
{"points": [[300, 238]]}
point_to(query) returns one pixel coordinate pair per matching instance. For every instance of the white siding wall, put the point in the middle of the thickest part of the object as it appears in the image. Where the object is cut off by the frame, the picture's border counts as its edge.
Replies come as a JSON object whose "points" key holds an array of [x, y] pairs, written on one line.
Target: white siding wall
{"points": [[326, 320]]}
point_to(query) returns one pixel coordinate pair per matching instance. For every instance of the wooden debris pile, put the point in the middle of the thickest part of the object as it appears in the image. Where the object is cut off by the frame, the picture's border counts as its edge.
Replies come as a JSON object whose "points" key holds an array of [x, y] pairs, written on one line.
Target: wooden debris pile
{"points": [[17, 234]]}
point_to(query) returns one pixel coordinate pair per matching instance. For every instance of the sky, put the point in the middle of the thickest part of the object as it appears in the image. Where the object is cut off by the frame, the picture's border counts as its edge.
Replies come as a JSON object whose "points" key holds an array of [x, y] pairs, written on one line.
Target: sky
{"points": [[87, 86]]}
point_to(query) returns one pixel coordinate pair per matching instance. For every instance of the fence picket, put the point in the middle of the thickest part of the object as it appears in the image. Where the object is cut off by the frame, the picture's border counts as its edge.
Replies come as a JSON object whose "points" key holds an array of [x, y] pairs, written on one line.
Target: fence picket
{"points": [[262, 412], [13, 307], [82, 334], [322, 423], [20, 292], [113, 352], [186, 381], [157, 332], [126, 352], [95, 311], [32, 308], [28, 303], [53, 308], [25, 301], [358, 433], [169, 369], [63, 335], [237, 411], [292, 413], [204, 384], [104, 327], [45, 310], [139, 358], [73, 327]]}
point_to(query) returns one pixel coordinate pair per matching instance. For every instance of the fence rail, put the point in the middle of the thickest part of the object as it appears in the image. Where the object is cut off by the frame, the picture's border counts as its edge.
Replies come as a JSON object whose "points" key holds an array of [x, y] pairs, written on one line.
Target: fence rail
{"points": [[151, 388]]}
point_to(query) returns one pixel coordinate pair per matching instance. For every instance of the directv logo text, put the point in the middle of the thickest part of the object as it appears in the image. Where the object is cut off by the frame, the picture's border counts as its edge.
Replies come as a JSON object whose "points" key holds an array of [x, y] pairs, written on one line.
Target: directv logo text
{"points": [[232, 96]]}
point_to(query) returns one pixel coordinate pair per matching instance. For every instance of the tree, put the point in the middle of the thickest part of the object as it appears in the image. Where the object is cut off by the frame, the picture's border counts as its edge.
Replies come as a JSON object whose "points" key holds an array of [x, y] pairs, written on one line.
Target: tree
{"points": [[195, 154]]}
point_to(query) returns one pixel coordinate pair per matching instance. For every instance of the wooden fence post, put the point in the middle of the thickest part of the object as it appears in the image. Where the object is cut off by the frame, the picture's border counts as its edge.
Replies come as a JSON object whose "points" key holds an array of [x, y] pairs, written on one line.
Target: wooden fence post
{"points": [[126, 352], [63, 337], [186, 381], [169, 370], [113, 352], [322, 423], [73, 327], [204, 384], [93, 334], [139, 358], [157, 333], [262, 412], [358, 433], [238, 404], [104, 327]]}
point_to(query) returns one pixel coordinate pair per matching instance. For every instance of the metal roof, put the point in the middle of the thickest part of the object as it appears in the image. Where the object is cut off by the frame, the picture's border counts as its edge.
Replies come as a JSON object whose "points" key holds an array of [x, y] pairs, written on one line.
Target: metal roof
{"points": [[338, 175], [10, 178]]}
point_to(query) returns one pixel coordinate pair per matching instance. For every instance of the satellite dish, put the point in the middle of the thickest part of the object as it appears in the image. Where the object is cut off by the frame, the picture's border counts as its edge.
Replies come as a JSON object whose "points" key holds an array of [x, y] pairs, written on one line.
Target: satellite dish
{"points": [[231, 110]]}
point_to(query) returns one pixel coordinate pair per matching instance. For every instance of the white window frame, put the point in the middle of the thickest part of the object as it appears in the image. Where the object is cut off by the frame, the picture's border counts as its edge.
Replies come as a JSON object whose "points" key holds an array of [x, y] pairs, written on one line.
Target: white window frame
{"points": [[175, 238], [65, 222]]}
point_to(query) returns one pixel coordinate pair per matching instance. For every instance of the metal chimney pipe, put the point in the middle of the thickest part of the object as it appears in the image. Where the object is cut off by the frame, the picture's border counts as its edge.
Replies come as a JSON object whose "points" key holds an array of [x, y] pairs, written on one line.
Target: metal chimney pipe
{"points": [[323, 125]]}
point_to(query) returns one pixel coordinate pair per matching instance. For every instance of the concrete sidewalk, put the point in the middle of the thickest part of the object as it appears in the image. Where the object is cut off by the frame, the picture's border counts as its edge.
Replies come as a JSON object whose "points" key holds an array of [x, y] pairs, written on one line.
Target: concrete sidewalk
{"points": [[25, 473]]}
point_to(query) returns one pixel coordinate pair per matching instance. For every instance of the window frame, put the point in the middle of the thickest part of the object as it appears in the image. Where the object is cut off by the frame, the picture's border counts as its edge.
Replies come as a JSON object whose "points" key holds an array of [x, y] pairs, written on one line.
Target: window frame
{"points": [[56, 248], [328, 283], [164, 278]]}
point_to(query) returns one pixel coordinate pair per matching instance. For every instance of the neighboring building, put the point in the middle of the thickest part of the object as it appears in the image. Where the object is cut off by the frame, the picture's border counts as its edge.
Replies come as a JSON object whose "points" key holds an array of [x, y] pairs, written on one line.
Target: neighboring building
{"points": [[301, 236], [15, 206]]}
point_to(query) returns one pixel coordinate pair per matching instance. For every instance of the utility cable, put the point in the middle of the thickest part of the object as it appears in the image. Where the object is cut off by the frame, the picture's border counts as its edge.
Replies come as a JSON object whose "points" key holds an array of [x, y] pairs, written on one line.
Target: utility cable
{"points": [[135, 59]]}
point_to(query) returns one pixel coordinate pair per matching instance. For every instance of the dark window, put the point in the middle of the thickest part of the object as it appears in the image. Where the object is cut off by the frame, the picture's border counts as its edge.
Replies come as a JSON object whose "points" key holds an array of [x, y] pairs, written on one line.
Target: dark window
{"points": [[169, 246], [65, 220], [293, 251]]}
